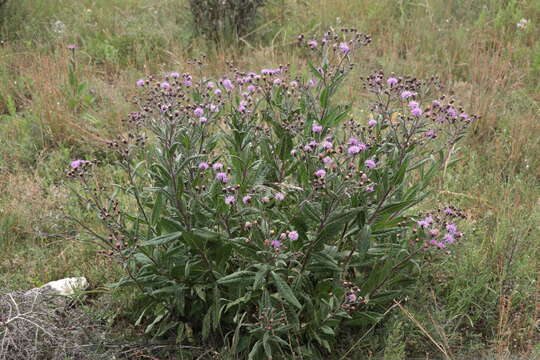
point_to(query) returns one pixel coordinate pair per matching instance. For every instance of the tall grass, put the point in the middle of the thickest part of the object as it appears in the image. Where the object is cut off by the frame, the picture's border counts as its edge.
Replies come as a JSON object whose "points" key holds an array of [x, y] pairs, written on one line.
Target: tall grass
{"points": [[486, 297]]}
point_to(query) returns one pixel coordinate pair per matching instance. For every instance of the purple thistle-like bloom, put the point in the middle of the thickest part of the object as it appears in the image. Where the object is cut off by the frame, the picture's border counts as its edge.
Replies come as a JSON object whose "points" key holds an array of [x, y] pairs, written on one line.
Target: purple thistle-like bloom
{"points": [[165, 85], [217, 92], [370, 163], [392, 81], [452, 228], [431, 134], [327, 160], [312, 83], [293, 235], [448, 211], [316, 128], [251, 88], [372, 123], [175, 75], [351, 298], [449, 238], [321, 173], [352, 150], [213, 108], [280, 196], [203, 165], [413, 104], [246, 199], [217, 166], [140, 82], [354, 141], [370, 188], [203, 120], [72, 47], [230, 200], [326, 144], [312, 44], [416, 111], [227, 84], [451, 111], [344, 47], [198, 112], [221, 176], [406, 94], [275, 244], [293, 84], [312, 144], [424, 223], [76, 163], [210, 85], [277, 81]]}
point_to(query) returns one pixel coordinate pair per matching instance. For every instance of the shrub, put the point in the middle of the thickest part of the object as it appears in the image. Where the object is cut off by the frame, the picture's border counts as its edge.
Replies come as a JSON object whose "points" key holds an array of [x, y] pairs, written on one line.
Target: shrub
{"points": [[224, 19], [259, 216]]}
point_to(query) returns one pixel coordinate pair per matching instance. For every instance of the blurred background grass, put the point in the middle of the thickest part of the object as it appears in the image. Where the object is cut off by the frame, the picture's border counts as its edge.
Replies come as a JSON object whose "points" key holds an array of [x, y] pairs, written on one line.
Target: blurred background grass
{"points": [[485, 297]]}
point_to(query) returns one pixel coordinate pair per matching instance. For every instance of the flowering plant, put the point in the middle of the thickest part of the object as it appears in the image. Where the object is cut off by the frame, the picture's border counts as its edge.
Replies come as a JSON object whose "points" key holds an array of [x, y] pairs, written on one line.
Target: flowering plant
{"points": [[261, 216]]}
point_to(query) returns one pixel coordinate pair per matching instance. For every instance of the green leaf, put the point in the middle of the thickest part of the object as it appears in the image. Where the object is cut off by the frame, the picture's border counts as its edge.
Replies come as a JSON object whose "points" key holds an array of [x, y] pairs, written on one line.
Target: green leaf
{"points": [[163, 239], [285, 290], [239, 276]]}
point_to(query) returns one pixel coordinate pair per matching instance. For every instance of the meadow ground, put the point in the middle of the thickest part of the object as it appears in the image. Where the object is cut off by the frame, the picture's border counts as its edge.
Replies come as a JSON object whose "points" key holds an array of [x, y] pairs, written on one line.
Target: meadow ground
{"points": [[484, 299]]}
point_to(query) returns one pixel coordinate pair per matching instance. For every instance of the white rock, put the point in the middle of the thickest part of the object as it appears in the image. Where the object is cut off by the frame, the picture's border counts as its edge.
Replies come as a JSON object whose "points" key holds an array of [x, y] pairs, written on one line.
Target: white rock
{"points": [[66, 287]]}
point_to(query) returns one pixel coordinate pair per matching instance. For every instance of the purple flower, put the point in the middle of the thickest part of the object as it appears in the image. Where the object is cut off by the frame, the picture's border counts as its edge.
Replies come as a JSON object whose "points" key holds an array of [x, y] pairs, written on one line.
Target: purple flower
{"points": [[392, 81], [451, 111], [275, 244], [217, 92], [452, 228], [316, 128], [293, 235], [416, 111], [448, 211], [370, 163], [277, 81], [280, 196], [230, 200], [312, 144], [293, 83], [203, 120], [251, 88], [353, 150], [76, 163], [203, 165], [372, 123], [175, 75], [464, 116], [217, 166], [140, 82], [198, 112], [165, 85], [354, 141], [344, 48], [449, 238], [72, 47], [406, 94], [431, 134], [210, 85], [351, 298], [327, 160], [213, 108], [312, 83], [424, 223], [227, 84], [246, 199], [413, 104], [221, 176], [326, 144], [370, 188], [321, 173], [312, 44]]}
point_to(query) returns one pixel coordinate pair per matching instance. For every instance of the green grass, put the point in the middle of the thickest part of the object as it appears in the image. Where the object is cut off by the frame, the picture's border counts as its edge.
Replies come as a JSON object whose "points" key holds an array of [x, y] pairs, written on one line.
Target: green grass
{"points": [[485, 296]]}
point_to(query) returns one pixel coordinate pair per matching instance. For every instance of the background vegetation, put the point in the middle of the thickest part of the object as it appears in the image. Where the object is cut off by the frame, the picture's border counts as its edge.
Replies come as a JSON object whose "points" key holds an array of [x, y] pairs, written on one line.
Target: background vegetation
{"points": [[484, 299]]}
